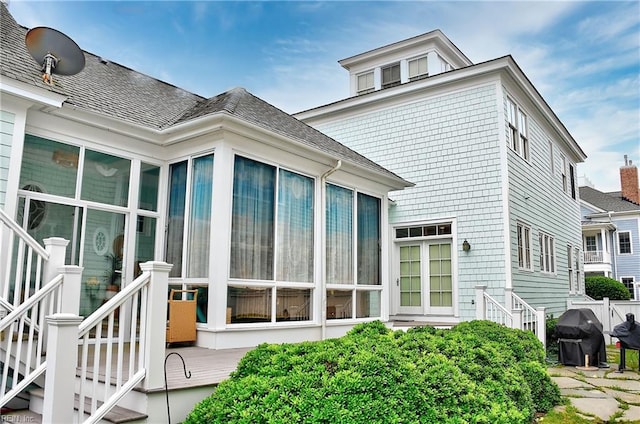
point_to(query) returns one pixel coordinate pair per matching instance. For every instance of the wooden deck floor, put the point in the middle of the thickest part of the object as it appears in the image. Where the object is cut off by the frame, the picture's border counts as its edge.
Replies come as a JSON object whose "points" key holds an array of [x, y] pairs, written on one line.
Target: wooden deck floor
{"points": [[207, 366]]}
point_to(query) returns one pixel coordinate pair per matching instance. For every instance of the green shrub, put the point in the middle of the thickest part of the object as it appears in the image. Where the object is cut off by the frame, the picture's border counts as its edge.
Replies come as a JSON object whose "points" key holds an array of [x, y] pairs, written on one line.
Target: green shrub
{"points": [[477, 372], [599, 287]]}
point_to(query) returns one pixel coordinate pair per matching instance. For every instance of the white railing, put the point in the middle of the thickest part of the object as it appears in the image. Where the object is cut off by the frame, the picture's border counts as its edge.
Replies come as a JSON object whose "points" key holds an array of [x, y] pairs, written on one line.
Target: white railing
{"points": [[594, 257], [121, 346], [31, 287], [518, 314]]}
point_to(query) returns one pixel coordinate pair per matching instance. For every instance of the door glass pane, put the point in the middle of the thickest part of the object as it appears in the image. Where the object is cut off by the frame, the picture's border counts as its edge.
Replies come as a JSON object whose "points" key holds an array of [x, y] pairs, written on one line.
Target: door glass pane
{"points": [[105, 178], [410, 277], [149, 181], [247, 305], [440, 278], [145, 242], [102, 255], [50, 165]]}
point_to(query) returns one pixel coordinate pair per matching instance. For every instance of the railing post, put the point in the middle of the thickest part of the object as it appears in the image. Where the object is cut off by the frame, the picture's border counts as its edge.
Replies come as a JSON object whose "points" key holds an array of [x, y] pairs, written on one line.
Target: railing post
{"points": [[508, 298], [481, 306], [56, 247], [154, 338], [516, 319], [62, 359], [70, 299], [541, 325]]}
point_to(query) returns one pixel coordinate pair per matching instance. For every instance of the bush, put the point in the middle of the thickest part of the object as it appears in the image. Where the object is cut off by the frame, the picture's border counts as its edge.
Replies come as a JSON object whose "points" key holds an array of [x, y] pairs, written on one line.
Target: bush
{"points": [[477, 372], [600, 287]]}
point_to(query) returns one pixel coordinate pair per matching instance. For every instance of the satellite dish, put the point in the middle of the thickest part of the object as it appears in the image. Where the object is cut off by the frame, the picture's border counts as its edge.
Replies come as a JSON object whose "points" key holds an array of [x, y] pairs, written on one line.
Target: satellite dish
{"points": [[56, 52]]}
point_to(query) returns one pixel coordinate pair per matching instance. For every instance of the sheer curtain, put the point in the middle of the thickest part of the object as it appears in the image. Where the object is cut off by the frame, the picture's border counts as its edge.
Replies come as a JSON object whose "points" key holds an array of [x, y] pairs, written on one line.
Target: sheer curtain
{"points": [[339, 241], [294, 260], [253, 220], [368, 239], [175, 225], [200, 217]]}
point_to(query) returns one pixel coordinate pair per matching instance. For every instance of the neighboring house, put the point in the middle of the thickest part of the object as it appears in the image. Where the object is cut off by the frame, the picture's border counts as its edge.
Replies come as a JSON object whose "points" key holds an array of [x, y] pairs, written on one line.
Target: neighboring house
{"points": [[254, 209], [494, 167], [611, 230]]}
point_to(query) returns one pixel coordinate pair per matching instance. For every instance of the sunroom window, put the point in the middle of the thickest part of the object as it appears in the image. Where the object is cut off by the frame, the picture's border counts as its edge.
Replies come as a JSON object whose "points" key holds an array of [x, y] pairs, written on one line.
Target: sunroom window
{"points": [[353, 286]]}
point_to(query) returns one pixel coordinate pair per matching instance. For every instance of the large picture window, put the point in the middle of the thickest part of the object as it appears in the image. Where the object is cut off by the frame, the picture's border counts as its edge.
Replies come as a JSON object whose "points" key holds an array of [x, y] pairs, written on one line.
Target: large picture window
{"points": [[352, 254], [271, 242]]}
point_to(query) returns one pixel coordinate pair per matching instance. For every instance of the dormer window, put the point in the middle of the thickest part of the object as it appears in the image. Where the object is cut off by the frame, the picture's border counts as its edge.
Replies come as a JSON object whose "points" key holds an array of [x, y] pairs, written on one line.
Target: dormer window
{"points": [[365, 83], [391, 75], [418, 68]]}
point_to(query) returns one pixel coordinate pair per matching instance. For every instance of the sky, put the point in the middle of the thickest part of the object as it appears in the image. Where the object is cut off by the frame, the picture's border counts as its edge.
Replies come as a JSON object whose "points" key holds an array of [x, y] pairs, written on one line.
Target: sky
{"points": [[582, 56]]}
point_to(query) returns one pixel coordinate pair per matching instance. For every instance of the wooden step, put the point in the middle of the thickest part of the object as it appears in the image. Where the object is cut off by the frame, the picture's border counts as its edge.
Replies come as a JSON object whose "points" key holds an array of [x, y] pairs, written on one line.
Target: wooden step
{"points": [[117, 415]]}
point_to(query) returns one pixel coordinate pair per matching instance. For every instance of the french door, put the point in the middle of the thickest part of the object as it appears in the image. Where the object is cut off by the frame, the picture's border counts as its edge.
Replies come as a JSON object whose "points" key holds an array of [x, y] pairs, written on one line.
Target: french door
{"points": [[424, 284]]}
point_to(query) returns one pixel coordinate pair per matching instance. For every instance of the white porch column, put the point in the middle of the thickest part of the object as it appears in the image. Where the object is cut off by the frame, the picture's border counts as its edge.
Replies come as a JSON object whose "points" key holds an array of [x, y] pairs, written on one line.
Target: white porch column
{"points": [[62, 359], [154, 338], [606, 256], [508, 298], [481, 306]]}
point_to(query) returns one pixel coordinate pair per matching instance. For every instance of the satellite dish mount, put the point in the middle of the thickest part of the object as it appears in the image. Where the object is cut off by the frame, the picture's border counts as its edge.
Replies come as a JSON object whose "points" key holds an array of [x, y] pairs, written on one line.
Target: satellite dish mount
{"points": [[55, 52]]}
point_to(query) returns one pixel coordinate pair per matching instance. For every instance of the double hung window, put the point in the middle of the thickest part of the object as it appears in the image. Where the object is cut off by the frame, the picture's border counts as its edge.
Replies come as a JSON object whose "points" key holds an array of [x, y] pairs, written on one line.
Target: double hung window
{"points": [[624, 242], [518, 131], [547, 253], [524, 246]]}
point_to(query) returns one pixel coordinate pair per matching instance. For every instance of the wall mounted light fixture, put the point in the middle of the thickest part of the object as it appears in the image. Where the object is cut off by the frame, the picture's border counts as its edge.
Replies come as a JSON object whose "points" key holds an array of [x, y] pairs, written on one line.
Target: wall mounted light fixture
{"points": [[466, 246]]}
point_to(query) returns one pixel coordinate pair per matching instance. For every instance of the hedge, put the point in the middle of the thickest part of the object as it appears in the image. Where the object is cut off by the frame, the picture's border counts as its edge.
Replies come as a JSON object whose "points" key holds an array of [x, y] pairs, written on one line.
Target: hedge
{"points": [[599, 287], [477, 372]]}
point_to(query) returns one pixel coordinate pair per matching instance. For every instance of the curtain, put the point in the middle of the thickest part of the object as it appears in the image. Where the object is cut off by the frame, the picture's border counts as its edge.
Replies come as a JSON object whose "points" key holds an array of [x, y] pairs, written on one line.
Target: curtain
{"points": [[339, 240], [253, 220], [200, 217], [175, 224], [294, 261], [368, 239]]}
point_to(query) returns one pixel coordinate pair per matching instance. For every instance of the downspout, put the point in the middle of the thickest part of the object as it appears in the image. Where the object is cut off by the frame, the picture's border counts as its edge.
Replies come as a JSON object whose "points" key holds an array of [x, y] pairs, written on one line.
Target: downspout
{"points": [[613, 247], [323, 243]]}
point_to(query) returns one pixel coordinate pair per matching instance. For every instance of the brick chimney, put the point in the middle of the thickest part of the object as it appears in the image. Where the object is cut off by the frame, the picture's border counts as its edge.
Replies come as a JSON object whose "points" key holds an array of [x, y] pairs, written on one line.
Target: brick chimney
{"points": [[629, 181]]}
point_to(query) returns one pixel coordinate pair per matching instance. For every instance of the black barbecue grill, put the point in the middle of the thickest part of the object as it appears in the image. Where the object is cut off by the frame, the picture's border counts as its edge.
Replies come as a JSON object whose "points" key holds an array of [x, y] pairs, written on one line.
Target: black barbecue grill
{"points": [[628, 333], [580, 333]]}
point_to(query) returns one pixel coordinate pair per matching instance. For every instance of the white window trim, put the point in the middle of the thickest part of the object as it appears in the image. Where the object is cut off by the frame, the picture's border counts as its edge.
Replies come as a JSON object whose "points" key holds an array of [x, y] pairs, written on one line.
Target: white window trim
{"points": [[547, 239], [527, 250], [519, 140], [630, 243]]}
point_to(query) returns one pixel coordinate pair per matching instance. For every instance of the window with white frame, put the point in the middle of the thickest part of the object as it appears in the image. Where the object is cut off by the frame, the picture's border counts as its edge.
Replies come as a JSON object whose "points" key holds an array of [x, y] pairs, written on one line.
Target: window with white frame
{"points": [[418, 68], [271, 244], [365, 83], [524, 246], [572, 285], [624, 242], [547, 253], [353, 257], [518, 131], [628, 283], [391, 75], [577, 268], [591, 244], [572, 181]]}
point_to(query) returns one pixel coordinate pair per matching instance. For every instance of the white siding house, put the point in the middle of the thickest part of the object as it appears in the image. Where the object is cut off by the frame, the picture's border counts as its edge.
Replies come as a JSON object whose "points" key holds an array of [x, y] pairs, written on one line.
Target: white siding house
{"points": [[489, 158]]}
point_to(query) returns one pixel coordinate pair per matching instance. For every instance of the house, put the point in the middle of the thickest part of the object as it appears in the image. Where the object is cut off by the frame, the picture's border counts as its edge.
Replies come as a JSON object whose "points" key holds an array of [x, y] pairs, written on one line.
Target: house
{"points": [[495, 201], [252, 207], [611, 230]]}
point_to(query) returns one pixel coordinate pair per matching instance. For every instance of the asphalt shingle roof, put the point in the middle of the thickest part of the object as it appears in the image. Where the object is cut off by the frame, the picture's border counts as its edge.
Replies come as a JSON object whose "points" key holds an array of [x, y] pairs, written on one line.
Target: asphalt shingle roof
{"points": [[118, 92], [609, 202]]}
